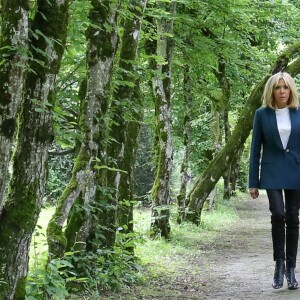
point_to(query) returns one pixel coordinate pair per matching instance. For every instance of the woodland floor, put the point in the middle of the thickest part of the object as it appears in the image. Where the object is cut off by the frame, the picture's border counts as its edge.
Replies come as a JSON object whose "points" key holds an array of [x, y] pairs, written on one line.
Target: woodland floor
{"points": [[237, 265]]}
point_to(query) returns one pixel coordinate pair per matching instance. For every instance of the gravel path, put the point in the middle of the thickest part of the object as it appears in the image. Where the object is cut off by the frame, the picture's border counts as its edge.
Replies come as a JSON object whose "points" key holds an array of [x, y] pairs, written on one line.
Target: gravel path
{"points": [[238, 265], [245, 269]]}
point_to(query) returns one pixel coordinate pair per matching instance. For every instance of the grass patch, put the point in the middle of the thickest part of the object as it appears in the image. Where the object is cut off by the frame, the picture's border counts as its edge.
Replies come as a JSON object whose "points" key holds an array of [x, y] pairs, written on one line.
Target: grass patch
{"points": [[223, 216], [39, 246], [163, 257]]}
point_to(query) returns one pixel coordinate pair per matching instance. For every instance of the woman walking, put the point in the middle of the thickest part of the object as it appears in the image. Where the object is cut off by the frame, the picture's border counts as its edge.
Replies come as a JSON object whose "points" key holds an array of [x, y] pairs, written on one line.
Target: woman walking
{"points": [[275, 167]]}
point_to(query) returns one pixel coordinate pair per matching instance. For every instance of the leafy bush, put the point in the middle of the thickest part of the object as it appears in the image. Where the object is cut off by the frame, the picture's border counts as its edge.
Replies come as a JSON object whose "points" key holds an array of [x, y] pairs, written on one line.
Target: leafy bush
{"points": [[109, 269], [48, 281]]}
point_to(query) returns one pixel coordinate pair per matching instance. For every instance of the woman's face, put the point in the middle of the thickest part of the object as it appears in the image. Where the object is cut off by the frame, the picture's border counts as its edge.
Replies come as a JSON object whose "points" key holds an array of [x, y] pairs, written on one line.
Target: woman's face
{"points": [[281, 94]]}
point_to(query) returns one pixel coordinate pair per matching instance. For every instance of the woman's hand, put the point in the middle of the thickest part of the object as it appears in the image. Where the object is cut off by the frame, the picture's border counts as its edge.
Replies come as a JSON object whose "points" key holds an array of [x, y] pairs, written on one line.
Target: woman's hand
{"points": [[254, 193]]}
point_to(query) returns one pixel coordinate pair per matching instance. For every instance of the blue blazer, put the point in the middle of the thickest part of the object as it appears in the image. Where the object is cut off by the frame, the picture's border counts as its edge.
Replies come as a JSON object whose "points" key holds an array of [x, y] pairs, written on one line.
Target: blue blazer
{"points": [[272, 166]]}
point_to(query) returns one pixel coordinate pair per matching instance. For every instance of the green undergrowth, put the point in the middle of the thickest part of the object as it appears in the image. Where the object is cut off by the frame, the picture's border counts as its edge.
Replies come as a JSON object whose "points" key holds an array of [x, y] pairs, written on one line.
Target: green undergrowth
{"points": [[157, 258]]}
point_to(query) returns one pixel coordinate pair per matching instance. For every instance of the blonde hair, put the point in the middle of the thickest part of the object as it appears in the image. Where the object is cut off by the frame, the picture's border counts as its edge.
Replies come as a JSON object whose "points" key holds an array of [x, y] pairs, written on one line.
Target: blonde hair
{"points": [[268, 97]]}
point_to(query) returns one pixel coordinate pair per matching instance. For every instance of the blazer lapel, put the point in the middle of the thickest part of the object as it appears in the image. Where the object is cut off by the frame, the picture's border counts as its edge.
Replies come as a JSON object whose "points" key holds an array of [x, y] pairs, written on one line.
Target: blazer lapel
{"points": [[274, 128]]}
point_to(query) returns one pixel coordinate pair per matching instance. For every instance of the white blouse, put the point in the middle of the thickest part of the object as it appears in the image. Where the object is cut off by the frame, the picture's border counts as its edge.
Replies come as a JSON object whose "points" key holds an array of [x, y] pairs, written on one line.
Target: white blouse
{"points": [[283, 124]]}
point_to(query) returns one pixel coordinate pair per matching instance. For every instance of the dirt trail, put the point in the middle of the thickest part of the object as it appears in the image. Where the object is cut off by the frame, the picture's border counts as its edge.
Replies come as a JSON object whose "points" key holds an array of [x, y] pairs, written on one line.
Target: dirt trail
{"points": [[245, 271], [237, 266]]}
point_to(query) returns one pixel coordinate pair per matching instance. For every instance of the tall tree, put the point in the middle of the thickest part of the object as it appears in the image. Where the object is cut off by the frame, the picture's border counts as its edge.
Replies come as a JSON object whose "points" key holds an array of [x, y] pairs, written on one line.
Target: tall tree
{"points": [[13, 54], [89, 181], [24, 200], [126, 187], [187, 94], [127, 113], [162, 95]]}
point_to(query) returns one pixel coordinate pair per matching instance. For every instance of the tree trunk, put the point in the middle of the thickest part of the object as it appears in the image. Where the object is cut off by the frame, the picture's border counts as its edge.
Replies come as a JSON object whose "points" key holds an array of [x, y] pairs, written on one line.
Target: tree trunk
{"points": [[235, 167], [162, 93], [127, 113], [217, 141], [223, 110], [227, 176], [13, 55], [126, 196], [220, 163], [181, 198], [21, 210], [89, 172], [221, 105]]}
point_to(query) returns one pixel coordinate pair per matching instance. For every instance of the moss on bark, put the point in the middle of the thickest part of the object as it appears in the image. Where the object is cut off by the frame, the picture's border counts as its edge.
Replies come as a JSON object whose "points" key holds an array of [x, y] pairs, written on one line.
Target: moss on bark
{"points": [[20, 293], [13, 57], [24, 201], [101, 49], [57, 240], [162, 93], [100, 14], [123, 132], [76, 220], [18, 221], [181, 198]]}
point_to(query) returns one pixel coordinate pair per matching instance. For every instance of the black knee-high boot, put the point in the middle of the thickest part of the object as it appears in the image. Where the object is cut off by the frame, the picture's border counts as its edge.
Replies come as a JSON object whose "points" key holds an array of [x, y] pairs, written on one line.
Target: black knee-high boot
{"points": [[291, 279], [278, 274]]}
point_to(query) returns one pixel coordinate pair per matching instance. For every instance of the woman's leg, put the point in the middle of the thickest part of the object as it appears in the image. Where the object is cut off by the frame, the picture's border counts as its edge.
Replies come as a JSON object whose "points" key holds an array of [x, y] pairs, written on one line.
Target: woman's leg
{"points": [[276, 206], [292, 200]]}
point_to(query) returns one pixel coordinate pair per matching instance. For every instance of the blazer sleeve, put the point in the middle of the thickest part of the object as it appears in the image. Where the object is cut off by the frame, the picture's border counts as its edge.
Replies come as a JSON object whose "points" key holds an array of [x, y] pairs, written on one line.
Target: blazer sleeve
{"points": [[255, 152]]}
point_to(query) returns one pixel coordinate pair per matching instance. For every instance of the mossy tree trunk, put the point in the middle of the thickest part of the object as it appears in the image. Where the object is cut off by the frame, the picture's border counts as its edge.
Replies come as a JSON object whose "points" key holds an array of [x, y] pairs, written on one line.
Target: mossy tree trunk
{"points": [[13, 56], [126, 195], [235, 171], [229, 152], [216, 130], [24, 200], [127, 113], [162, 94], [150, 44], [187, 93], [82, 197], [220, 109], [219, 113]]}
